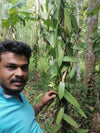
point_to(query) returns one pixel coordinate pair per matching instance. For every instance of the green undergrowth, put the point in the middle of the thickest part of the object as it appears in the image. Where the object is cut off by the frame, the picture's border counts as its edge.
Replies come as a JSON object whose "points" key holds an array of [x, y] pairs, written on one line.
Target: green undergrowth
{"points": [[36, 88], [38, 85]]}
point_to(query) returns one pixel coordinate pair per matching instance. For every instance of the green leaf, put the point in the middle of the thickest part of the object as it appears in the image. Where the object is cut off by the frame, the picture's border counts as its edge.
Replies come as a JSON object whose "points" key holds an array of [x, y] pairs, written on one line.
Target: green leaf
{"points": [[70, 121], [78, 48], [38, 96], [67, 19], [74, 24], [20, 3], [30, 18], [60, 52], [6, 23], [52, 66], [22, 19], [52, 38], [49, 23], [58, 3], [49, 105], [96, 49], [81, 112], [26, 12], [47, 1], [68, 96], [56, 129], [70, 59], [84, 45], [59, 116], [72, 72], [51, 8], [12, 19], [57, 9], [63, 69], [96, 37], [61, 89], [42, 8], [55, 36], [95, 1], [82, 131], [6, 6]]}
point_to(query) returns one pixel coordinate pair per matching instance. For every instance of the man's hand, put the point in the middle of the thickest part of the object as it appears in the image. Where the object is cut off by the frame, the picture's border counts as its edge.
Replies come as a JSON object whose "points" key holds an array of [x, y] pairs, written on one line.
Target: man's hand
{"points": [[47, 97], [45, 100]]}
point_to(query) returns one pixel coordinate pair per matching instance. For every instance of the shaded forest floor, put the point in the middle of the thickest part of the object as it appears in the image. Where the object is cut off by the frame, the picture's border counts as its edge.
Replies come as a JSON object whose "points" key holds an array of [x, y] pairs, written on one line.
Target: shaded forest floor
{"points": [[34, 90]]}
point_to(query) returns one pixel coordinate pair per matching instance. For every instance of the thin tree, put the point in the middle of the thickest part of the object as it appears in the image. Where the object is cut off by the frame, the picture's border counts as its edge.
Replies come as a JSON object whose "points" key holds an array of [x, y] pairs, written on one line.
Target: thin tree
{"points": [[77, 54], [89, 76]]}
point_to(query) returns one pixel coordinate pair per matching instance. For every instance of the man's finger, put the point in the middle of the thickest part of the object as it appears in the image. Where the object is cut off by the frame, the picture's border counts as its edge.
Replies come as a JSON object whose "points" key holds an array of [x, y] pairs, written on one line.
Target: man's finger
{"points": [[52, 92]]}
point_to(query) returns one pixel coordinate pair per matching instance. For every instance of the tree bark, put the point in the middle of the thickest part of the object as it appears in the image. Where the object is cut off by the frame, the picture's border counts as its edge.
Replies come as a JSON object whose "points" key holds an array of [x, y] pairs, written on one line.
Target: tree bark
{"points": [[89, 77]]}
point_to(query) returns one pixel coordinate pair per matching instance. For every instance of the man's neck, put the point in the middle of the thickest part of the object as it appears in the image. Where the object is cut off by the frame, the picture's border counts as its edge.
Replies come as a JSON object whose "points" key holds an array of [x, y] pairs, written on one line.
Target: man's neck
{"points": [[12, 95]]}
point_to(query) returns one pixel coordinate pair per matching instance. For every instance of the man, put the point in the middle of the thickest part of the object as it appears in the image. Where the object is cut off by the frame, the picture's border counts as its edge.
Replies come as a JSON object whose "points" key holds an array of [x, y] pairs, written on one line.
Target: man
{"points": [[16, 114]]}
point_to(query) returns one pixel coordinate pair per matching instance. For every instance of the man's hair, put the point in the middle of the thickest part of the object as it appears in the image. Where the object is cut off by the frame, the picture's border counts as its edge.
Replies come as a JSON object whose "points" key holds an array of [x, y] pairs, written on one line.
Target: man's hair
{"points": [[16, 47]]}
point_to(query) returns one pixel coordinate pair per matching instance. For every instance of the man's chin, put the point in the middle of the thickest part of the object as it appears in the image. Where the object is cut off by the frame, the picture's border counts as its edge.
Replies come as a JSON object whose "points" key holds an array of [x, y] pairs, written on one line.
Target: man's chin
{"points": [[13, 91]]}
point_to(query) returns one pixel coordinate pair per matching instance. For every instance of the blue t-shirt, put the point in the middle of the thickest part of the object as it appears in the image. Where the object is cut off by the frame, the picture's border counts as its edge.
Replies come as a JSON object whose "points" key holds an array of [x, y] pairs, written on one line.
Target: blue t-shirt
{"points": [[17, 116]]}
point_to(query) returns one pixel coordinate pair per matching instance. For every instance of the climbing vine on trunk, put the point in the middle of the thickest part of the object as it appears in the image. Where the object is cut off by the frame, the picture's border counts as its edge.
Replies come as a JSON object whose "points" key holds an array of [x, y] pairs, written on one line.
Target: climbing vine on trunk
{"points": [[59, 30]]}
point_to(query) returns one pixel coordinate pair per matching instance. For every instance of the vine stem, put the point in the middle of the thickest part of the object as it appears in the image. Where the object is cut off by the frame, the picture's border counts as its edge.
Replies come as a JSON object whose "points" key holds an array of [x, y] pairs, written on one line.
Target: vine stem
{"points": [[64, 75]]}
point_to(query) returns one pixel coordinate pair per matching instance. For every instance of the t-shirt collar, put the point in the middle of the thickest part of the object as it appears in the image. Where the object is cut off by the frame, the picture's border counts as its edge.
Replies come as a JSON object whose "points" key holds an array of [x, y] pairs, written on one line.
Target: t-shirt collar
{"points": [[5, 95]]}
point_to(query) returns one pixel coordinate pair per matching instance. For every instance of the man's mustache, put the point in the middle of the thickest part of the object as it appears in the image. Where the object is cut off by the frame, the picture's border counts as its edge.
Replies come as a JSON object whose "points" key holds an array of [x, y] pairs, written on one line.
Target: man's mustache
{"points": [[18, 80]]}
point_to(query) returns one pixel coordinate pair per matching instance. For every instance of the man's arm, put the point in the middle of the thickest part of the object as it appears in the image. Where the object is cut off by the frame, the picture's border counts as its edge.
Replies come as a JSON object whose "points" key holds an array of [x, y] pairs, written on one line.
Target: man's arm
{"points": [[45, 100]]}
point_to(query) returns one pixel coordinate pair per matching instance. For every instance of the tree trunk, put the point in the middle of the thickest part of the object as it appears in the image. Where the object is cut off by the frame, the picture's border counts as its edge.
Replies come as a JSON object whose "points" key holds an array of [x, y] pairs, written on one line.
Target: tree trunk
{"points": [[78, 41], [95, 121], [89, 77]]}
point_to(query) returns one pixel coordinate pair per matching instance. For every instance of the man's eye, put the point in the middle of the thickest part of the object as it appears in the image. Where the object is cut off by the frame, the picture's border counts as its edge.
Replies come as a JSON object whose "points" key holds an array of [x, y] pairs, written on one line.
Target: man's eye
{"points": [[25, 68], [11, 67]]}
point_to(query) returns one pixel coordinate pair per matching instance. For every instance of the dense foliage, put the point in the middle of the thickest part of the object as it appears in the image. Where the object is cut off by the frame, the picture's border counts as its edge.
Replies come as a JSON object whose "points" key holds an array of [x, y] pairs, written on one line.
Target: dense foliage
{"points": [[56, 38]]}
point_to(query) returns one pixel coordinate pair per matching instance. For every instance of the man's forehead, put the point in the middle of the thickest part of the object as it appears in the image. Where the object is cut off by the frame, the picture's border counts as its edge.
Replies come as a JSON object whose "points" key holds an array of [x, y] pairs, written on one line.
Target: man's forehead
{"points": [[13, 57]]}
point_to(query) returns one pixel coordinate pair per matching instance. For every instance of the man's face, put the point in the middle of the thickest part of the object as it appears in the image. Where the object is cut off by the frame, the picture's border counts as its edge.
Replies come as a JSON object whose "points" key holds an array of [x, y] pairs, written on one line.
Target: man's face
{"points": [[13, 72]]}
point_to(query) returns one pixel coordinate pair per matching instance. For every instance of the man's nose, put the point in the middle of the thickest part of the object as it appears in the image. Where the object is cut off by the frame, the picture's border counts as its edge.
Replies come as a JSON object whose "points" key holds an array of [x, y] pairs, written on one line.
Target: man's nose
{"points": [[19, 72]]}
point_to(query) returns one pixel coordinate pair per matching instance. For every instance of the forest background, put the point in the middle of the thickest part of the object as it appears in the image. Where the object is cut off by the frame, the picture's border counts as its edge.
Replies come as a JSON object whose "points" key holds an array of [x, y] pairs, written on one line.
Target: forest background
{"points": [[65, 39]]}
